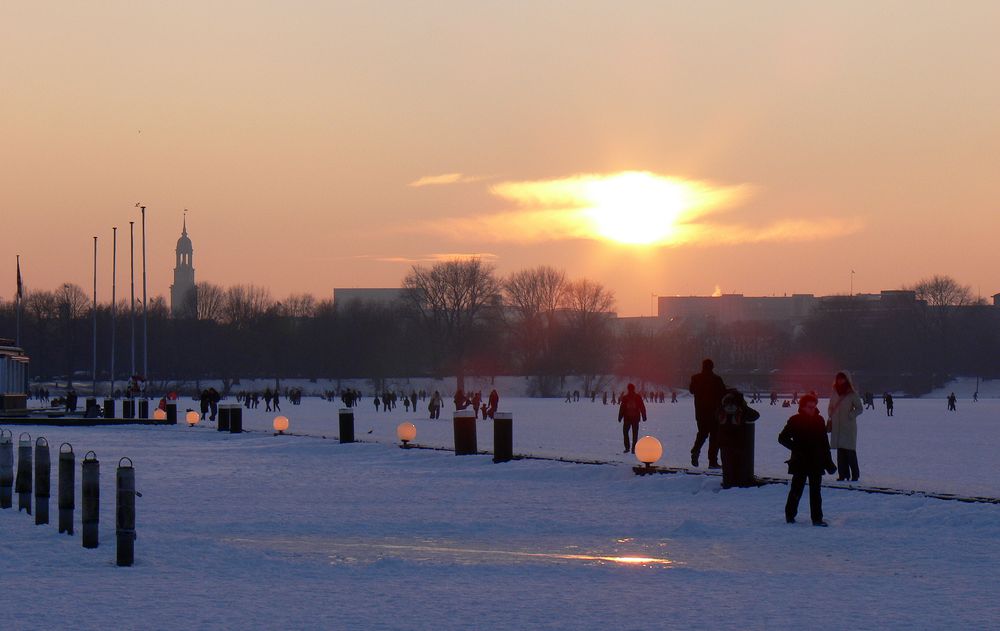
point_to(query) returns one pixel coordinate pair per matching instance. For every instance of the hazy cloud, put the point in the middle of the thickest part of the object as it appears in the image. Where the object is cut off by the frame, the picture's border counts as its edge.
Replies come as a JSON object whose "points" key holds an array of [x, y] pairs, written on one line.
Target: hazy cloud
{"points": [[632, 208], [446, 178]]}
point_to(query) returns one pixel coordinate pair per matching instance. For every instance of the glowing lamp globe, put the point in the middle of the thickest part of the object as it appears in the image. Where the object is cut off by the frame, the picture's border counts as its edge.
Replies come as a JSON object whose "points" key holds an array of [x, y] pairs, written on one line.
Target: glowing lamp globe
{"points": [[648, 450], [406, 432], [192, 417], [280, 424], [159, 414]]}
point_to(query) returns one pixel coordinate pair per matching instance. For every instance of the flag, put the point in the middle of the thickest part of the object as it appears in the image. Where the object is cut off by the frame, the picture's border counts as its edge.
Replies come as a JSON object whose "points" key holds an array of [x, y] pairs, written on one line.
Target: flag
{"points": [[20, 286]]}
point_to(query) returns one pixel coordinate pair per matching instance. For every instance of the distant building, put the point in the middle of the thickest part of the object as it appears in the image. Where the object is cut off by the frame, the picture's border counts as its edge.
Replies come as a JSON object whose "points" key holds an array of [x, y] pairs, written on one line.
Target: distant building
{"points": [[183, 293], [382, 296], [730, 308]]}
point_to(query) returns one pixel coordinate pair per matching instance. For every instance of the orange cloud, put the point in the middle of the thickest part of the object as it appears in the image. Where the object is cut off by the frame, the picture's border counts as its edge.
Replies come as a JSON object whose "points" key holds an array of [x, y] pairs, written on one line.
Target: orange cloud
{"points": [[446, 178]]}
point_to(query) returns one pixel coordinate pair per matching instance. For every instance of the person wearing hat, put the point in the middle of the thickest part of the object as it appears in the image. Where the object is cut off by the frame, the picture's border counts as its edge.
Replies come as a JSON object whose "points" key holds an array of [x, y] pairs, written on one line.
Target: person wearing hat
{"points": [[805, 436]]}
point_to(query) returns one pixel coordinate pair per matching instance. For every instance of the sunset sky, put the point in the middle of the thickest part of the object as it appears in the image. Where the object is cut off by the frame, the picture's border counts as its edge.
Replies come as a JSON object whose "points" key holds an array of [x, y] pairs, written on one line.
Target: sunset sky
{"points": [[658, 147]]}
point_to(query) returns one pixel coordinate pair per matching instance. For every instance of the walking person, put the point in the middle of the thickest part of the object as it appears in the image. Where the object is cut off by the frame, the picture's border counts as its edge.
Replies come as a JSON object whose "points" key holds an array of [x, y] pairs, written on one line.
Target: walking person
{"points": [[952, 400], [887, 398], [708, 390], [805, 436], [630, 412], [842, 413]]}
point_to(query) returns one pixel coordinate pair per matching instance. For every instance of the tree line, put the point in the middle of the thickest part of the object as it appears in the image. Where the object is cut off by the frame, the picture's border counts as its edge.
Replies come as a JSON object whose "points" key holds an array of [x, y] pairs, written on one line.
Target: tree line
{"points": [[462, 318]]}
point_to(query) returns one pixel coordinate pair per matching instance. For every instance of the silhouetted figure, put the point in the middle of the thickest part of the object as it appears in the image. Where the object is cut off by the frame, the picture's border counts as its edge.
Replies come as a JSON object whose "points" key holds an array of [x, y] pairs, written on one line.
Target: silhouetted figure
{"points": [[604, 398], [734, 413], [630, 411], [975, 396], [460, 401], [376, 404], [708, 390], [476, 402], [413, 399], [774, 398], [494, 403], [203, 398], [887, 399], [805, 436], [435, 405], [843, 411], [952, 400]]}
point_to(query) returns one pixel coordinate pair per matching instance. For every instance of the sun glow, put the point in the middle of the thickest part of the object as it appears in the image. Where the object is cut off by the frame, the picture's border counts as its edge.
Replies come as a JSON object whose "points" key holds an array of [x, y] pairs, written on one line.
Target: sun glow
{"points": [[629, 208]]}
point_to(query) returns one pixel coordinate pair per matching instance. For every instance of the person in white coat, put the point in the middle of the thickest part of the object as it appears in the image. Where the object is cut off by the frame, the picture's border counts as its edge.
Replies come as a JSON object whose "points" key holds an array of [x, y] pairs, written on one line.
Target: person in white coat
{"points": [[845, 407]]}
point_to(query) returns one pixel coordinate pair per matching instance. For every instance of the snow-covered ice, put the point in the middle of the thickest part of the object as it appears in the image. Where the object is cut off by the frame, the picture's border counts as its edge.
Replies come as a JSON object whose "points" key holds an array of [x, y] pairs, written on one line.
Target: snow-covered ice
{"points": [[298, 532]]}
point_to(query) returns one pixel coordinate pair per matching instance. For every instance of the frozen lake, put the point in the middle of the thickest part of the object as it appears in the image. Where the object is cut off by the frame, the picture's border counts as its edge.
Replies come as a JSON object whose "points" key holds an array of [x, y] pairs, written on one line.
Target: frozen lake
{"points": [[922, 447], [291, 532]]}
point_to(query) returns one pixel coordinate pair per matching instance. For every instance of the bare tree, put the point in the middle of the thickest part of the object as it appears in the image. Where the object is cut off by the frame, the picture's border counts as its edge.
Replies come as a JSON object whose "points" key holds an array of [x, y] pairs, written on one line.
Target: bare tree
{"points": [[534, 297], [245, 304], [299, 306], [211, 301], [945, 291], [72, 300], [589, 308], [41, 305], [587, 301], [450, 298]]}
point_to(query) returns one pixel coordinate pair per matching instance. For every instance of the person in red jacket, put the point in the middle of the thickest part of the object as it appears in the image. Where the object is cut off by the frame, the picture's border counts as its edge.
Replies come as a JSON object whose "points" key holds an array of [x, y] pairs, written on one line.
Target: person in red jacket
{"points": [[630, 410], [805, 436]]}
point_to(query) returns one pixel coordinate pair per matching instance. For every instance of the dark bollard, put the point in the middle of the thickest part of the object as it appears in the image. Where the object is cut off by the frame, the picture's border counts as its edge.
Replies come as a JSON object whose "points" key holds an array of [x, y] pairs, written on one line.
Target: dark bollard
{"points": [[171, 413], [465, 433], [125, 514], [67, 484], [746, 475], [346, 425], [43, 476], [503, 437], [143, 408], [91, 494], [235, 420], [22, 484], [109, 408], [737, 455], [128, 408], [90, 409], [224, 415], [6, 468]]}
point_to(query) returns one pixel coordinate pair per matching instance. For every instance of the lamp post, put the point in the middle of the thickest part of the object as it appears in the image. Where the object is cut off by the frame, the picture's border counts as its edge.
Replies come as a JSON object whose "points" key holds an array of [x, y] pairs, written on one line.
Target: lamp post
{"points": [[647, 451], [159, 414], [406, 432], [131, 303]]}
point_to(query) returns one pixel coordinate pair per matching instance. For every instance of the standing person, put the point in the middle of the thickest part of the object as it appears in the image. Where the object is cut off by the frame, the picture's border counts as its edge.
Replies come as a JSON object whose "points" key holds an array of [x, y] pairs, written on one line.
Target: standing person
{"points": [[843, 411], [630, 411], [274, 401], [708, 390], [494, 403], [805, 436], [952, 400], [888, 404], [203, 400], [376, 403], [434, 407]]}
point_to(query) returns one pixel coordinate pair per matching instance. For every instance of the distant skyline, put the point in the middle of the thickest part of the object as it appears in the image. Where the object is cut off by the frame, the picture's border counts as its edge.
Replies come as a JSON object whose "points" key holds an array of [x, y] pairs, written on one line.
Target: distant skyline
{"points": [[659, 148]]}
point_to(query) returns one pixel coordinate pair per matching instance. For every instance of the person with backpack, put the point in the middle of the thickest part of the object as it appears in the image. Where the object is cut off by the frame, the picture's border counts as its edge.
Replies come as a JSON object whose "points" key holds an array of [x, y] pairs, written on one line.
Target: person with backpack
{"points": [[630, 411], [708, 390], [805, 436]]}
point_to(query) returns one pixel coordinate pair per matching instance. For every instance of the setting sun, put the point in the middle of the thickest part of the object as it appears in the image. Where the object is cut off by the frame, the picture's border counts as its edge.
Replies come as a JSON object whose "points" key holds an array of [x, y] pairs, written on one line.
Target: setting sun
{"points": [[627, 208]]}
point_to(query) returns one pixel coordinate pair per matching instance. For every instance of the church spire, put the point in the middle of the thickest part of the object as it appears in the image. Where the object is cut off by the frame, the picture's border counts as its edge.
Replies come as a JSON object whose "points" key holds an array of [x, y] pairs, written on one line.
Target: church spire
{"points": [[184, 230]]}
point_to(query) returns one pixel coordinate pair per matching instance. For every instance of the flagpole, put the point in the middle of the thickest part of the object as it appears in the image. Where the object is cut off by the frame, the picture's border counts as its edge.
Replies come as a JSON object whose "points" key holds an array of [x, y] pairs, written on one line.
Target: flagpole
{"points": [[114, 306], [94, 317], [145, 313], [17, 307], [131, 302]]}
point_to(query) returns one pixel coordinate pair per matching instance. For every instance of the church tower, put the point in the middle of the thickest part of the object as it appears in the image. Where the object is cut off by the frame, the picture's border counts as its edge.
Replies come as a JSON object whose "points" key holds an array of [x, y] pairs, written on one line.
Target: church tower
{"points": [[183, 295]]}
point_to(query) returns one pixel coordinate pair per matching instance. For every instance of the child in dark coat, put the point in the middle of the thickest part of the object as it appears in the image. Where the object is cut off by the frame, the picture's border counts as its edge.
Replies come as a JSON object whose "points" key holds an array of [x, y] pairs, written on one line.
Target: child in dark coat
{"points": [[805, 436]]}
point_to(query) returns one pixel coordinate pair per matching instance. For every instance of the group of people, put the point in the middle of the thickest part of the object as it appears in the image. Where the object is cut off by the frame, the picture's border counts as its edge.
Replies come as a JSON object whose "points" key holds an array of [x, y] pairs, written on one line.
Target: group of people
{"points": [[251, 400], [475, 402], [806, 434]]}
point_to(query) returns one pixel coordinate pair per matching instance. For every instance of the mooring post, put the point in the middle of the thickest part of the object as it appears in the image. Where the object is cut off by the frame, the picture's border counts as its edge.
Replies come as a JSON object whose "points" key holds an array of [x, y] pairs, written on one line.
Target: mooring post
{"points": [[125, 513], [464, 426], [236, 420], [503, 437], [346, 425], [91, 494], [6, 468], [43, 476], [23, 482], [224, 415], [67, 485]]}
